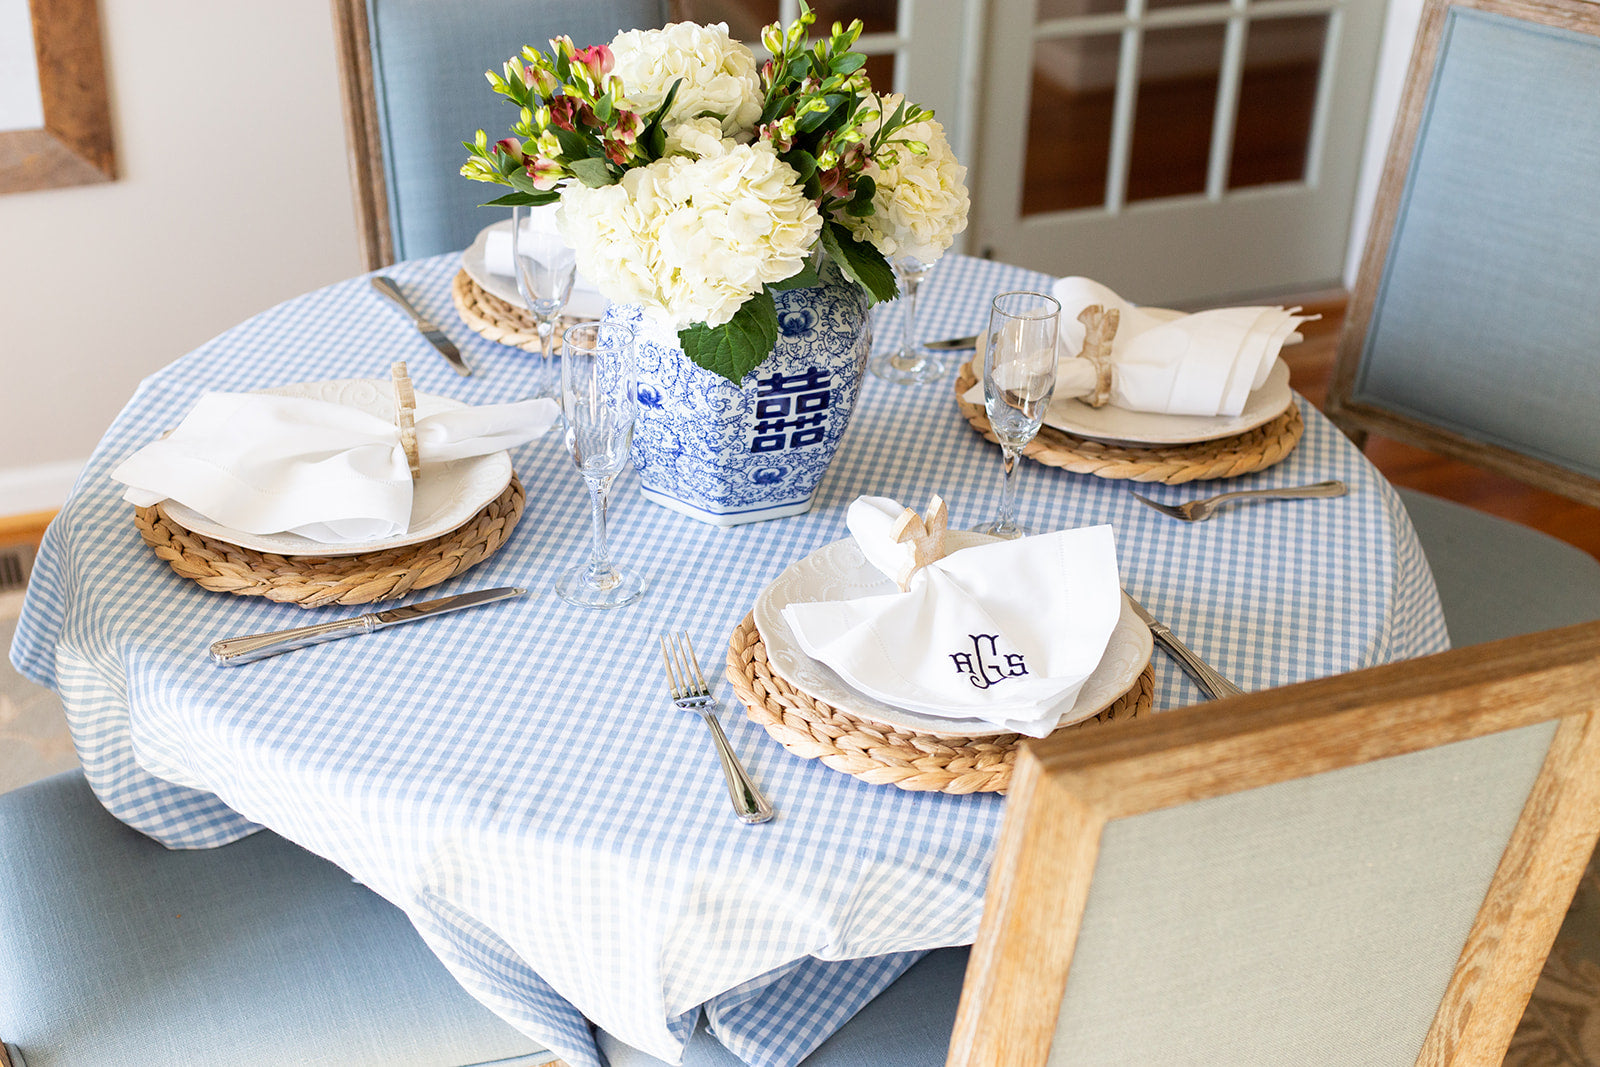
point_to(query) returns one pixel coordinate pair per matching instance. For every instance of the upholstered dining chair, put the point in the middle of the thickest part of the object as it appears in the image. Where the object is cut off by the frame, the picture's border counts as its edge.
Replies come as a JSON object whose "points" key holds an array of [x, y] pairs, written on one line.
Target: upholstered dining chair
{"points": [[411, 74], [1474, 325], [115, 950], [1368, 868]]}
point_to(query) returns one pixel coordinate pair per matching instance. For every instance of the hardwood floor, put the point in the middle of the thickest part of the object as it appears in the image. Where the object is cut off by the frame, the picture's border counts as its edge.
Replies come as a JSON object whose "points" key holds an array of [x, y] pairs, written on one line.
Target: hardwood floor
{"points": [[1311, 366]]}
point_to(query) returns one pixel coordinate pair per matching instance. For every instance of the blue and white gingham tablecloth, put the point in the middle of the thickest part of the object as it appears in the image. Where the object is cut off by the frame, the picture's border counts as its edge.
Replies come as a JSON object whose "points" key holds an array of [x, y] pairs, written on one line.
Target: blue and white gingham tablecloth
{"points": [[513, 777]]}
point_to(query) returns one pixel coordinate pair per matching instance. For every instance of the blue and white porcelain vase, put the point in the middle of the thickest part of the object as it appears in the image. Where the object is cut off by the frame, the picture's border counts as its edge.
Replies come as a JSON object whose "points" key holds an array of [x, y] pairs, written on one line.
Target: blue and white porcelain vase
{"points": [[729, 454]]}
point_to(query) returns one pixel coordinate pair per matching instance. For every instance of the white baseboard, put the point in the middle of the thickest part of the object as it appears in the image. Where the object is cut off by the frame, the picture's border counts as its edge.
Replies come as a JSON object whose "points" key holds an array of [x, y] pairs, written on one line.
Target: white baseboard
{"points": [[43, 487]]}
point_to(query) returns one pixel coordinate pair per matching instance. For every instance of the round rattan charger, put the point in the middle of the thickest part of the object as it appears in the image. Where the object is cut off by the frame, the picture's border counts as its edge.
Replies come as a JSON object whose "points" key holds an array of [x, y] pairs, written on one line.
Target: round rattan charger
{"points": [[497, 319], [316, 581], [877, 752], [1226, 457]]}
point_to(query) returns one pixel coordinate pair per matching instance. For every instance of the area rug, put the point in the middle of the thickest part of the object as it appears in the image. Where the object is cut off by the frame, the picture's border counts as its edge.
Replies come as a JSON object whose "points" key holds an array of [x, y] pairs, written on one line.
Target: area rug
{"points": [[33, 729]]}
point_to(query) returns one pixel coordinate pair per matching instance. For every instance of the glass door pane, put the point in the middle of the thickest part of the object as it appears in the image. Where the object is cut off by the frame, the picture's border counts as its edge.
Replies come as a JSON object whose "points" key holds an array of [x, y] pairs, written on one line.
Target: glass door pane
{"points": [[1277, 100], [1172, 128], [1070, 123]]}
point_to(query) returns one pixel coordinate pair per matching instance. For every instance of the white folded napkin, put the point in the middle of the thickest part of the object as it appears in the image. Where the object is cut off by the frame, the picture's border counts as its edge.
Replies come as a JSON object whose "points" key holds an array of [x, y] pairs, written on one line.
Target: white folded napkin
{"points": [[1204, 363], [539, 230], [1006, 632], [266, 464]]}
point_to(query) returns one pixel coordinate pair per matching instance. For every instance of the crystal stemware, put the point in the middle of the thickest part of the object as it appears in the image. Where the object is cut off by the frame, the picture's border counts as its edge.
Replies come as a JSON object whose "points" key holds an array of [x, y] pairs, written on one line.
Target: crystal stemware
{"points": [[911, 364], [546, 269], [597, 398], [1019, 374]]}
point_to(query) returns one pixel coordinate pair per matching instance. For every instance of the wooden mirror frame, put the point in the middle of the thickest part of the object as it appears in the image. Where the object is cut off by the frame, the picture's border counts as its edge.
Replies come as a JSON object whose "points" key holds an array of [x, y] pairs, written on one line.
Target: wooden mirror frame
{"points": [[1353, 416], [74, 145]]}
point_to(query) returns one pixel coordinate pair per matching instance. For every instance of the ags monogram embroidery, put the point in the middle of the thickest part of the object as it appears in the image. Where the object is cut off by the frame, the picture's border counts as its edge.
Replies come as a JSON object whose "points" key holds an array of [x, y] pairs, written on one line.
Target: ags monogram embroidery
{"points": [[982, 666]]}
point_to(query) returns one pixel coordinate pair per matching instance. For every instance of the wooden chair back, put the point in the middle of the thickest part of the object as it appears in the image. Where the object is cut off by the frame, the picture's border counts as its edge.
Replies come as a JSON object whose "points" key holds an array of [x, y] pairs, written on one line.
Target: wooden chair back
{"points": [[411, 77], [1474, 325], [1369, 868]]}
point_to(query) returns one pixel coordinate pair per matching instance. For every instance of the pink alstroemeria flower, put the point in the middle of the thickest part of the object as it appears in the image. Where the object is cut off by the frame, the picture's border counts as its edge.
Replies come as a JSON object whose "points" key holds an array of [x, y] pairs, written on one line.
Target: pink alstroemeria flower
{"points": [[566, 112], [545, 174], [627, 127], [513, 148], [835, 183], [596, 59], [773, 134]]}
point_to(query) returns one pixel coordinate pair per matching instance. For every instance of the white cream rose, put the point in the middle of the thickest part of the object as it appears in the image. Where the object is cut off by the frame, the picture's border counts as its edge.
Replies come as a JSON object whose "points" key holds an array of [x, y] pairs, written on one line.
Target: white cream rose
{"points": [[718, 73], [692, 239], [921, 201]]}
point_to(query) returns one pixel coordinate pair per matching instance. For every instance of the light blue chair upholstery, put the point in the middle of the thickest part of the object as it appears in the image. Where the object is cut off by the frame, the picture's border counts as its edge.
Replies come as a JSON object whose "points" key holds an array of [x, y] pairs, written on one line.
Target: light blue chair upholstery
{"points": [[115, 950], [1498, 578], [1474, 325], [428, 58]]}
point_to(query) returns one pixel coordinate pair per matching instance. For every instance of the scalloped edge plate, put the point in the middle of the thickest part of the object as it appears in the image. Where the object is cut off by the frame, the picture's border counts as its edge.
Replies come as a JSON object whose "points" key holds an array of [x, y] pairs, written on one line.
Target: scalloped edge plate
{"points": [[1126, 655]]}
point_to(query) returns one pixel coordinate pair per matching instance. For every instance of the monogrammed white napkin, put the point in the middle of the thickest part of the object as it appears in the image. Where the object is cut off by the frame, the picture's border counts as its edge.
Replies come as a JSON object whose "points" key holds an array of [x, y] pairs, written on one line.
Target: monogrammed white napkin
{"points": [[1004, 632], [1205, 363], [267, 464]]}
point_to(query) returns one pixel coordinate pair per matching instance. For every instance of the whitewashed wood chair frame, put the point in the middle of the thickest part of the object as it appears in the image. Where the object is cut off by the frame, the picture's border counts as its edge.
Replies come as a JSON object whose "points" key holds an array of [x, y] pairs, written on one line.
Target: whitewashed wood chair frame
{"points": [[1538, 695]]}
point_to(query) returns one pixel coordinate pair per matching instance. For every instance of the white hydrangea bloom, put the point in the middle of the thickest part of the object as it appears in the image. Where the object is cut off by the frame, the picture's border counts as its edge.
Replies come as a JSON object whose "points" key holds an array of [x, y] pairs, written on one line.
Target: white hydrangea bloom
{"points": [[719, 74], [692, 239], [697, 137], [921, 201]]}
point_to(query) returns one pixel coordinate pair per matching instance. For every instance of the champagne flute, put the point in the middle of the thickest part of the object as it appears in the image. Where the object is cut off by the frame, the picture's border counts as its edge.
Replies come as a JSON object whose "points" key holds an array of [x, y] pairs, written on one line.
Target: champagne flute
{"points": [[911, 364], [546, 268], [597, 397], [1019, 374]]}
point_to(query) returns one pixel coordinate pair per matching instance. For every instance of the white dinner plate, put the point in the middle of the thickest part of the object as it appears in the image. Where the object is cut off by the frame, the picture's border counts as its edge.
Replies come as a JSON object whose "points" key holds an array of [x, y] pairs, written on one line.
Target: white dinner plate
{"points": [[840, 572], [584, 303], [445, 497], [1115, 425]]}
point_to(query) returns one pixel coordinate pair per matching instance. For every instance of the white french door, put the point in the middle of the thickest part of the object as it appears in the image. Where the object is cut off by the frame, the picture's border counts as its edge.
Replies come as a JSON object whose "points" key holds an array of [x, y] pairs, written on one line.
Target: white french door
{"points": [[1178, 151]]}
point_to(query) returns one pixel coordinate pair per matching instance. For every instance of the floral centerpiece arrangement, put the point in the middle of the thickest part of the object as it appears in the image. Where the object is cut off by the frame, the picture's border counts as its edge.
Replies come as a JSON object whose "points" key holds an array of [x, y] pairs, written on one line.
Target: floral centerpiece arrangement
{"points": [[697, 184]]}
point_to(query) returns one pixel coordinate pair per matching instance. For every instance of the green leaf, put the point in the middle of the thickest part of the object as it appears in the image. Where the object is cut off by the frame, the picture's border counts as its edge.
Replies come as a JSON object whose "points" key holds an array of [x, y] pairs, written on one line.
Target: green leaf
{"points": [[573, 145], [603, 109], [548, 196], [739, 345], [849, 63], [653, 123], [803, 162], [593, 172], [519, 180], [804, 278], [860, 261]]}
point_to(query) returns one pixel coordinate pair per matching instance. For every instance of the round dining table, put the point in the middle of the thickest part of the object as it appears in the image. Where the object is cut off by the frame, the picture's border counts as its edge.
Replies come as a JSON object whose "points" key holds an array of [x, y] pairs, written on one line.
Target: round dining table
{"points": [[514, 777]]}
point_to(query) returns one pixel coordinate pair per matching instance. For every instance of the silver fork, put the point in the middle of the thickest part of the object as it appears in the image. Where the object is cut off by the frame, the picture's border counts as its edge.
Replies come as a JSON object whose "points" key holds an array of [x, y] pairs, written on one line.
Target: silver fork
{"points": [[690, 693], [1204, 508]]}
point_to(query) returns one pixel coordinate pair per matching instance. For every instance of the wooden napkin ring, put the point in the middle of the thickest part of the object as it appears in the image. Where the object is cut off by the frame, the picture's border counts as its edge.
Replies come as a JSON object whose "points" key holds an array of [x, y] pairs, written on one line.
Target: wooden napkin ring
{"points": [[405, 406], [926, 535], [1100, 327]]}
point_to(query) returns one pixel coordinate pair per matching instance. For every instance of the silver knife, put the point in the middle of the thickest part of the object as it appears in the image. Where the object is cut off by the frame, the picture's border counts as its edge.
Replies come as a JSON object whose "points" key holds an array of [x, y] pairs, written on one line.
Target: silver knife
{"points": [[1212, 683], [952, 343], [236, 650], [425, 326]]}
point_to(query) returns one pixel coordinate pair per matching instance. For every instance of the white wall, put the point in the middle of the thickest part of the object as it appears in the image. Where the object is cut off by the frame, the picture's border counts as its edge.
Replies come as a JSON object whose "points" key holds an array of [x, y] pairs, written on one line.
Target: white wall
{"points": [[1399, 34], [232, 195]]}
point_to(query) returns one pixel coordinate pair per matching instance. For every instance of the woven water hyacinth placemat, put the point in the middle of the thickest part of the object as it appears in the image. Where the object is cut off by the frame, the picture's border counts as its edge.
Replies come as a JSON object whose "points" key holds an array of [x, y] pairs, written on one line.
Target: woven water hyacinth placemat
{"points": [[1226, 457], [498, 320], [877, 752], [317, 581]]}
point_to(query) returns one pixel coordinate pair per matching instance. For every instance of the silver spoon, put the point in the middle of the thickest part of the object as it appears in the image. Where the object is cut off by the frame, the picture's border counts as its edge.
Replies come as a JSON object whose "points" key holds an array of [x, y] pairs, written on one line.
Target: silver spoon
{"points": [[1200, 510]]}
